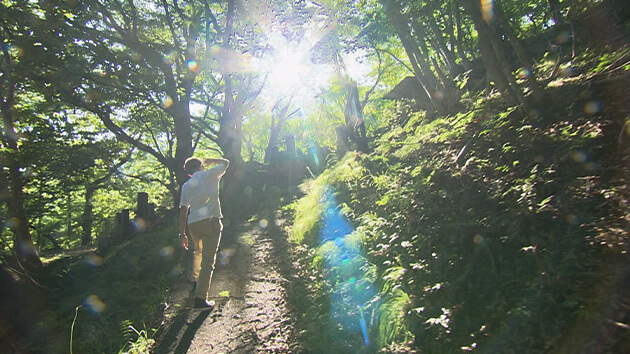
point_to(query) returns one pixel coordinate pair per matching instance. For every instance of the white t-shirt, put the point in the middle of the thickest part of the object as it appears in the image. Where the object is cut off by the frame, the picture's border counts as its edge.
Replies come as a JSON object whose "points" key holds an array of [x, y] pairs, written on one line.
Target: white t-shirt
{"points": [[201, 194]]}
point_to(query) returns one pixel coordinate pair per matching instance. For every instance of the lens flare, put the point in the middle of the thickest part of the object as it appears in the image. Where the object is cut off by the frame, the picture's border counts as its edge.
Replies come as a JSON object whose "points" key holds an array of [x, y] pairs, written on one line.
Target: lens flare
{"points": [[136, 57], [263, 223], [192, 65], [563, 37], [593, 107], [534, 113], [524, 73], [166, 252], [12, 223], [487, 10], [363, 326], [345, 267], [95, 304], [225, 256], [573, 219], [176, 270], [313, 152], [16, 51], [214, 50], [167, 102], [170, 57], [28, 247], [94, 260], [140, 225], [567, 71], [578, 156]]}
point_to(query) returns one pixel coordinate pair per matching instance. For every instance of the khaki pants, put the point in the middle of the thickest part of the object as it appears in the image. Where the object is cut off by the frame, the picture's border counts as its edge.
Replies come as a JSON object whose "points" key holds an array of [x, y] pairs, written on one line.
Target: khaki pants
{"points": [[206, 236]]}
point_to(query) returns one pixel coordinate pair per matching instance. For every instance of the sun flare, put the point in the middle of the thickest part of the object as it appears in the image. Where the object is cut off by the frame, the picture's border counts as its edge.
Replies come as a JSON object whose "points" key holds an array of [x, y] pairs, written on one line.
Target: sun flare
{"points": [[288, 70]]}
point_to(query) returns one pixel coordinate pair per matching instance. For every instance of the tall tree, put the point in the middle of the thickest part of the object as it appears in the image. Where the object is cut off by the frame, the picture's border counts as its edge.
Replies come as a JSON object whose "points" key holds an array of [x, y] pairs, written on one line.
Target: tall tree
{"points": [[353, 109], [419, 60], [142, 68], [525, 60], [279, 115], [10, 168], [93, 180], [493, 53]]}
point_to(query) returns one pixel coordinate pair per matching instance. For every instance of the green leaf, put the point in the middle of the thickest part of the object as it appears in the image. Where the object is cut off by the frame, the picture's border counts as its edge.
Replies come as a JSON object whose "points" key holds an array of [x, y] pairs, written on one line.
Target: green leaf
{"points": [[383, 201]]}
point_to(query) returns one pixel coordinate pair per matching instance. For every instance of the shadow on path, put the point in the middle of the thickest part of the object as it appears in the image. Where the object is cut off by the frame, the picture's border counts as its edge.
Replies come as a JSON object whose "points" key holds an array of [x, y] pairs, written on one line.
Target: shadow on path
{"points": [[188, 336], [171, 335]]}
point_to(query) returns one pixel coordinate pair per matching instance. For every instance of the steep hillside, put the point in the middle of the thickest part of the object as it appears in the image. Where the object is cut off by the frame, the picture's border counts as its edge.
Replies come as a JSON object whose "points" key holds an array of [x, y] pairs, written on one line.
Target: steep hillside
{"points": [[499, 229]]}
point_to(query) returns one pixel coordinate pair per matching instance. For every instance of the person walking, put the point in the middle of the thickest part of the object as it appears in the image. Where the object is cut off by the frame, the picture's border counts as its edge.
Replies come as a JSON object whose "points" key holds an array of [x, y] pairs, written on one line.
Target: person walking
{"points": [[200, 210]]}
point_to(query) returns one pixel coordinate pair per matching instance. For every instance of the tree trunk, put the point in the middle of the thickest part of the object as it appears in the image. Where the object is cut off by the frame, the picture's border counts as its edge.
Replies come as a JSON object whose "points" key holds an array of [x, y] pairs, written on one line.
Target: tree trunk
{"points": [[68, 215], [343, 141], [56, 245], [449, 55], [526, 60], [250, 149], [230, 130], [496, 66], [353, 114], [19, 224], [86, 218], [441, 78], [554, 6], [183, 132], [461, 53], [278, 118], [272, 146], [421, 68]]}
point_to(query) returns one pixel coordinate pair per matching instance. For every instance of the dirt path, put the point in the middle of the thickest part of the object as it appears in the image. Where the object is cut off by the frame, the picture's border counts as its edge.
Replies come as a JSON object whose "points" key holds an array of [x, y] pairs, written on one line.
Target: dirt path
{"points": [[251, 313]]}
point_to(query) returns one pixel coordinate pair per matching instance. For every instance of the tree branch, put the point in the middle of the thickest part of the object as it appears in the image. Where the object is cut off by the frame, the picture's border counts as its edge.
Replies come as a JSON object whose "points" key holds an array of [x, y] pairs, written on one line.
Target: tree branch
{"points": [[169, 22], [119, 132], [378, 79], [145, 179], [395, 58]]}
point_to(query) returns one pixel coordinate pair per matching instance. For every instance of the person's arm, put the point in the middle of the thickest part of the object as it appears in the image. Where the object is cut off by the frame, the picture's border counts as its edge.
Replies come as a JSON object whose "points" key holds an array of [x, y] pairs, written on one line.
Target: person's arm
{"points": [[183, 217], [216, 161]]}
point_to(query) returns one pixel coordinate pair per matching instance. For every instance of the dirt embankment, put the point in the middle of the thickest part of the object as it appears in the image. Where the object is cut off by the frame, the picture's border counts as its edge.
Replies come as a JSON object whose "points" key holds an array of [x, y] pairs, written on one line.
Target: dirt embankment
{"points": [[251, 313]]}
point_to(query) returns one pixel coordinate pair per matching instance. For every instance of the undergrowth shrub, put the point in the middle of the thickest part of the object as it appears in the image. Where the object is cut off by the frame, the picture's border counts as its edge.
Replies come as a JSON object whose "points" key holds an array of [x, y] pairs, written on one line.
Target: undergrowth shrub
{"points": [[478, 231], [115, 294]]}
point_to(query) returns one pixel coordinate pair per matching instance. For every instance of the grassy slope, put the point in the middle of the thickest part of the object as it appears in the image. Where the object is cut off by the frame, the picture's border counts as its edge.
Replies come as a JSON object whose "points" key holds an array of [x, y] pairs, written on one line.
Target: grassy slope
{"points": [[497, 229], [119, 297]]}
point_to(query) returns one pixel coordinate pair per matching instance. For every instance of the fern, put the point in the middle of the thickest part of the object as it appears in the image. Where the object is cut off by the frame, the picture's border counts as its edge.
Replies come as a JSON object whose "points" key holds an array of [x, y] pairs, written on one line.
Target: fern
{"points": [[392, 313], [391, 278]]}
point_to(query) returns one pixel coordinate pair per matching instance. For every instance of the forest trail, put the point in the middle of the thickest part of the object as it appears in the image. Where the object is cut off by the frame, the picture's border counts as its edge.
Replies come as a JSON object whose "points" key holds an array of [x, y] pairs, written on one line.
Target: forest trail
{"points": [[251, 312]]}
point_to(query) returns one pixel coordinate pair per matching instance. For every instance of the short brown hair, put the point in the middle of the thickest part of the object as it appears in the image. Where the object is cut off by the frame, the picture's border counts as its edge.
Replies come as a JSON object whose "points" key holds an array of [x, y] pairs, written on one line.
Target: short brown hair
{"points": [[192, 165]]}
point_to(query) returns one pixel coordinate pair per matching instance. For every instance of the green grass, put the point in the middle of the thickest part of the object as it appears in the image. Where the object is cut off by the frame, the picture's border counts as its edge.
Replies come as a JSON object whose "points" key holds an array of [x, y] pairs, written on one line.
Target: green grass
{"points": [[105, 300], [392, 325], [307, 213], [513, 226]]}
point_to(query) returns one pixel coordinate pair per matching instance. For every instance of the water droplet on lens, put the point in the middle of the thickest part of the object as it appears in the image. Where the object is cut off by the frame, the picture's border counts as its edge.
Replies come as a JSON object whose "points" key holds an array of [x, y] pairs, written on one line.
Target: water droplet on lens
{"points": [[593, 107], [263, 223]]}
